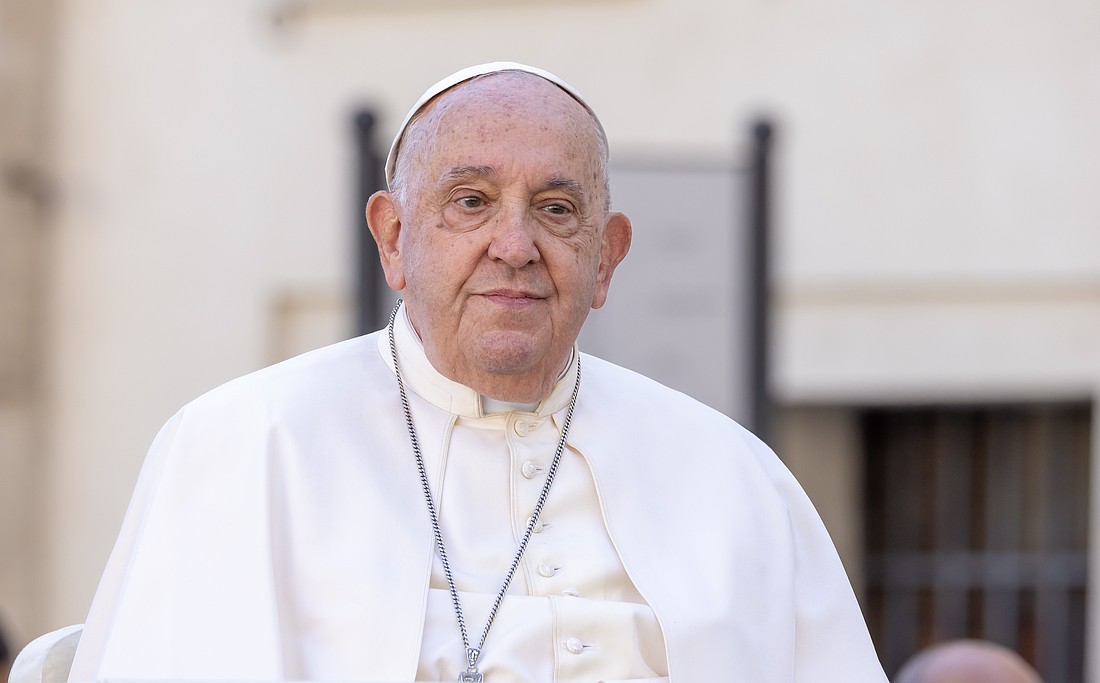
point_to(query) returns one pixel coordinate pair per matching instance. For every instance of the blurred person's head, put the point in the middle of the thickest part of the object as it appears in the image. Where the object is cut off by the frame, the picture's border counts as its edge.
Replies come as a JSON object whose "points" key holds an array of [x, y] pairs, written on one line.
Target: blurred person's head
{"points": [[967, 661]]}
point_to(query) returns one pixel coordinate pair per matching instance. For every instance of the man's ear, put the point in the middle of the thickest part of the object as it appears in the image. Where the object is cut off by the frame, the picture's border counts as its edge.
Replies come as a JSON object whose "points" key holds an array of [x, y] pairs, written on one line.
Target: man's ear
{"points": [[616, 242], [385, 225]]}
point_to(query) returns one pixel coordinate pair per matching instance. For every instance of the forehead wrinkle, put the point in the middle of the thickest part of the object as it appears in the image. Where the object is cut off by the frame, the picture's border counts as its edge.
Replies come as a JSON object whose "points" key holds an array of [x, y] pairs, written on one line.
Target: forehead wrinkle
{"points": [[425, 125], [467, 172]]}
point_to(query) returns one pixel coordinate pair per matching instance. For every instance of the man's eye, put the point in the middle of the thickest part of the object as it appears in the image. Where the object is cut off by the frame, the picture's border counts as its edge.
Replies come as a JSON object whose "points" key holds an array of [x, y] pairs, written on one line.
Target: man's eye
{"points": [[557, 209], [470, 202]]}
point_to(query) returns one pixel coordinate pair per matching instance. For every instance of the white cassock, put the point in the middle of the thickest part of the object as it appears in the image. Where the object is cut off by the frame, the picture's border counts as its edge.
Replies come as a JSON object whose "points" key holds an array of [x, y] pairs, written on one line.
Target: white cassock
{"points": [[279, 531]]}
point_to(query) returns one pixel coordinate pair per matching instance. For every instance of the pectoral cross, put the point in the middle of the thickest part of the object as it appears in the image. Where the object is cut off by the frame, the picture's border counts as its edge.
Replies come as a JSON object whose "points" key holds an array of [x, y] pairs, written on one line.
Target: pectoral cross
{"points": [[471, 674]]}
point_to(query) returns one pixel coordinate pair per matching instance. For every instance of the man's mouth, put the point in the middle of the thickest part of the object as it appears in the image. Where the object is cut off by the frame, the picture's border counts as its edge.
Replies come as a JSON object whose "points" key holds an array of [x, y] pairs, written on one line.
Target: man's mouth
{"points": [[511, 297]]}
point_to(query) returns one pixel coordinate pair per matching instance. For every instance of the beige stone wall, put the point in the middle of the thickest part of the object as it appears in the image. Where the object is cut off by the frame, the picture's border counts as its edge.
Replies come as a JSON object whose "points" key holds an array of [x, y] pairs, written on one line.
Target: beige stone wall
{"points": [[25, 56]]}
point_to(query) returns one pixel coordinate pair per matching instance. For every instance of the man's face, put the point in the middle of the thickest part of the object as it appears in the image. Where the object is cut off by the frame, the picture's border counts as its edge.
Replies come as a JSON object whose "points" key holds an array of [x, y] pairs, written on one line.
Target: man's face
{"points": [[503, 241]]}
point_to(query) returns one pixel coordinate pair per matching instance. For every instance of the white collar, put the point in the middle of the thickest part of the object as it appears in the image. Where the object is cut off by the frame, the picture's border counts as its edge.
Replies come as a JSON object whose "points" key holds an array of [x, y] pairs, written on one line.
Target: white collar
{"points": [[427, 382]]}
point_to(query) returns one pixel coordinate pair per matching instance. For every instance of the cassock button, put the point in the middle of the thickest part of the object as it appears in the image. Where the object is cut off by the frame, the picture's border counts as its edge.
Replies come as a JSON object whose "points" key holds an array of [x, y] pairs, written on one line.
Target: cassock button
{"points": [[530, 470], [574, 645], [525, 427], [539, 525], [547, 570]]}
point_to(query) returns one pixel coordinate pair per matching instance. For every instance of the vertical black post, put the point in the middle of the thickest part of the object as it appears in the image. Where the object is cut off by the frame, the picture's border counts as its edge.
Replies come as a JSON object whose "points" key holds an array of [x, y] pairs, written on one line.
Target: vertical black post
{"points": [[759, 290], [369, 279]]}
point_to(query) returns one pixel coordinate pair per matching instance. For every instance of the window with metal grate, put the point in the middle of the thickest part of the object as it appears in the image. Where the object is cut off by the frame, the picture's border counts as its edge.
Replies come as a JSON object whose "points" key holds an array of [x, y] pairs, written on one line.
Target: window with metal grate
{"points": [[976, 527]]}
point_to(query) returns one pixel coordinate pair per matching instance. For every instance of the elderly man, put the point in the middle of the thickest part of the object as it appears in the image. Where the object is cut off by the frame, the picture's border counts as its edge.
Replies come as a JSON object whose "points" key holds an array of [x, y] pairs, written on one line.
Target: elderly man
{"points": [[465, 494]]}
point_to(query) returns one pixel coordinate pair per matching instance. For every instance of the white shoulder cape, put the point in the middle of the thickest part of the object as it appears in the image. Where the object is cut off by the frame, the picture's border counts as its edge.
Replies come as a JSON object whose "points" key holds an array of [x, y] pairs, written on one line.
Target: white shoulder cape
{"points": [[280, 515]]}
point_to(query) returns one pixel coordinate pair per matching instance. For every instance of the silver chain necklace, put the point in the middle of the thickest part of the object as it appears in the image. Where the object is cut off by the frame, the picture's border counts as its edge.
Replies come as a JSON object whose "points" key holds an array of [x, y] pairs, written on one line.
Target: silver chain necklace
{"points": [[471, 674]]}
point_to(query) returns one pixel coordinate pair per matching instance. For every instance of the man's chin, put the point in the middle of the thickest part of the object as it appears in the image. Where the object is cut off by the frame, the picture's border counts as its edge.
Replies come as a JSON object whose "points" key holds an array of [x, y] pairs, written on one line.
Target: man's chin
{"points": [[506, 359], [513, 354]]}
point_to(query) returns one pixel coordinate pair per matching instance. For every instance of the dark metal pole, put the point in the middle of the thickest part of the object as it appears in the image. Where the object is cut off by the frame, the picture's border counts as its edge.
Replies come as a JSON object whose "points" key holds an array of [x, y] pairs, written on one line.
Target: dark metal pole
{"points": [[760, 299], [369, 279]]}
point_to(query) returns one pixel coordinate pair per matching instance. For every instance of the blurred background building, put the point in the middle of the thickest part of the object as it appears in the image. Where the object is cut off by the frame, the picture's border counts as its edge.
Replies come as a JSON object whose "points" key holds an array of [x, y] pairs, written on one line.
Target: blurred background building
{"points": [[178, 206]]}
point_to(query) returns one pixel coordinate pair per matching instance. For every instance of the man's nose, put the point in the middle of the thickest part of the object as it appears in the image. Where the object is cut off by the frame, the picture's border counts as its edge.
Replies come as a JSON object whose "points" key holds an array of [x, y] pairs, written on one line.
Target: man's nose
{"points": [[513, 238]]}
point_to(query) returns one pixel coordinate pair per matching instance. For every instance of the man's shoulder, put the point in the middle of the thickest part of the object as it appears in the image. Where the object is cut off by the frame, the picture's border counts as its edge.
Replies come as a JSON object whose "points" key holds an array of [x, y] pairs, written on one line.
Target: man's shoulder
{"points": [[627, 422], [322, 401], [613, 385], [632, 405], [319, 376]]}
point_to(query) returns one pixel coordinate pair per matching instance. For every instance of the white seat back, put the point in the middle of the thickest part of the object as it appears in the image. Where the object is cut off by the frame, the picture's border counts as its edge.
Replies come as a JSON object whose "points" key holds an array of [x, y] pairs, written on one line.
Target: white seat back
{"points": [[48, 658]]}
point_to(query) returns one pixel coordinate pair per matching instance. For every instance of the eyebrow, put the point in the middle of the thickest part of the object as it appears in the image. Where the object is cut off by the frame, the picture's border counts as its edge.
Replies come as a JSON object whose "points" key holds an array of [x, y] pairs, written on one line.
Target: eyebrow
{"points": [[466, 172], [569, 185], [459, 173]]}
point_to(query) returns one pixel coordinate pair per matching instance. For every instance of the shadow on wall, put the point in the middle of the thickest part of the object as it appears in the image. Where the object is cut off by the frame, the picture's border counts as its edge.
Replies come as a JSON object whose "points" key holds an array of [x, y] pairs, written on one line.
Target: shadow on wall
{"points": [[6, 655]]}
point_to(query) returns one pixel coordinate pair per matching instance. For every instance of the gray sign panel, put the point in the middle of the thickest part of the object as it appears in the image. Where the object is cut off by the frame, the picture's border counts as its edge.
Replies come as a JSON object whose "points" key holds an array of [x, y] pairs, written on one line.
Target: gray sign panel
{"points": [[678, 306]]}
